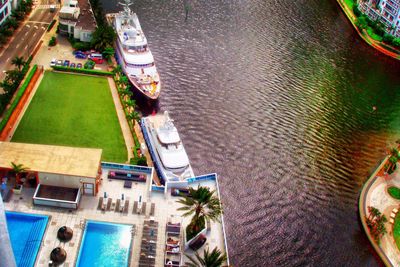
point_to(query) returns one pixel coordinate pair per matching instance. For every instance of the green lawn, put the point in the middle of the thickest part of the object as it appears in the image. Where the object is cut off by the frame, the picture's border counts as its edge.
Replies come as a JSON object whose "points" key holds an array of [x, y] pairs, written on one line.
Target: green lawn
{"points": [[350, 3], [73, 110], [396, 230], [394, 192]]}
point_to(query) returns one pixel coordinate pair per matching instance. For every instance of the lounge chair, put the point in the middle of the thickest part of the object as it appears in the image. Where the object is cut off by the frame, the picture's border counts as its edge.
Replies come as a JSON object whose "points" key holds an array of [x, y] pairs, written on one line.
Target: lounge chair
{"points": [[392, 215], [135, 205], [126, 206], [391, 220], [143, 209], [117, 205], [109, 203], [99, 206], [153, 206]]}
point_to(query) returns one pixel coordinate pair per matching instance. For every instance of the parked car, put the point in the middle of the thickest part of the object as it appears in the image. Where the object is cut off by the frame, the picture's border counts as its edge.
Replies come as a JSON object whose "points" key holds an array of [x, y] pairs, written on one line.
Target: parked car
{"points": [[79, 66], [59, 63], [89, 64], [66, 63], [53, 62], [72, 65], [98, 58], [80, 55], [77, 52]]}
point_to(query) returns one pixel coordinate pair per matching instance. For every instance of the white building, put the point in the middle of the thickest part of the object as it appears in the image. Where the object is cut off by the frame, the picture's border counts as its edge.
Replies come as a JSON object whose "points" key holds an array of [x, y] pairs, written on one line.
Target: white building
{"points": [[5, 10], [386, 11], [77, 20]]}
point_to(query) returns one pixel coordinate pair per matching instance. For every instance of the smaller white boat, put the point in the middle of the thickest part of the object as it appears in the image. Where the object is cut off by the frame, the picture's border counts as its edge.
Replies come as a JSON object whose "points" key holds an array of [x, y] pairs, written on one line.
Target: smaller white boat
{"points": [[166, 148]]}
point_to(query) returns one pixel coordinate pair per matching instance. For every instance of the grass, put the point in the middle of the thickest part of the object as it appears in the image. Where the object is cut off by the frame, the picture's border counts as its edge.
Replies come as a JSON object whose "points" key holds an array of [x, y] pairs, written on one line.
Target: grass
{"points": [[373, 35], [396, 230], [73, 110], [394, 192], [350, 3]]}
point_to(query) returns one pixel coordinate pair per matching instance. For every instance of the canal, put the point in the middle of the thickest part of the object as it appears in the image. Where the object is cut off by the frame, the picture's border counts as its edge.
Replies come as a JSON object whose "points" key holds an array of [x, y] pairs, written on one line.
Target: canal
{"points": [[290, 107]]}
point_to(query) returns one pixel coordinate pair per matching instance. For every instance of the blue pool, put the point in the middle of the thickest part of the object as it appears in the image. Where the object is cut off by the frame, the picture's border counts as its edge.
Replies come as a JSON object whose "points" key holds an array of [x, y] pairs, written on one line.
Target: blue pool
{"points": [[105, 244], [26, 233]]}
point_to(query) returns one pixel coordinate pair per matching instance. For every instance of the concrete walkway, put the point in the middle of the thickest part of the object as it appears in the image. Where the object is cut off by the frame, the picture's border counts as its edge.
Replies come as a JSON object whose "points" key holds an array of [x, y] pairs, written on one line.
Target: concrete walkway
{"points": [[126, 132]]}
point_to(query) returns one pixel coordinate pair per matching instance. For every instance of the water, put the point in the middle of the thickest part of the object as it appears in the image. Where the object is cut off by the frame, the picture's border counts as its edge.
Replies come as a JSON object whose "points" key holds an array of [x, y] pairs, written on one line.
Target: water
{"points": [[26, 234], [105, 244], [278, 98]]}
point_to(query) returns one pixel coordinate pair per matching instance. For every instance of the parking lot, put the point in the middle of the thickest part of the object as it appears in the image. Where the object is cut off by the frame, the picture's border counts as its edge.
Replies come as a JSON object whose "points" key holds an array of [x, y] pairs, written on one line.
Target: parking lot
{"points": [[61, 51]]}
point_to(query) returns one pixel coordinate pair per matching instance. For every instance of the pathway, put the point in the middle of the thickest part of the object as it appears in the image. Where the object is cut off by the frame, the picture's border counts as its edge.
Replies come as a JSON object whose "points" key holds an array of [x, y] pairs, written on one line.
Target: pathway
{"points": [[126, 132]]}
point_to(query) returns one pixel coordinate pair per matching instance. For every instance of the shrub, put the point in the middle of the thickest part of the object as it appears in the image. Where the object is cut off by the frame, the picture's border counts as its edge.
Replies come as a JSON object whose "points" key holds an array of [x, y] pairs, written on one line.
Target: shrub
{"points": [[53, 41], [356, 11], [51, 25], [18, 96], [362, 22], [396, 42], [387, 38], [140, 161], [85, 71], [394, 192]]}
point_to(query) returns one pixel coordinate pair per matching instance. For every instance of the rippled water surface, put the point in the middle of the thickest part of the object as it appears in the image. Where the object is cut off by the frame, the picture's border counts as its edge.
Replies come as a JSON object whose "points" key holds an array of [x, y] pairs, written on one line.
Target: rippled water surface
{"points": [[277, 97]]}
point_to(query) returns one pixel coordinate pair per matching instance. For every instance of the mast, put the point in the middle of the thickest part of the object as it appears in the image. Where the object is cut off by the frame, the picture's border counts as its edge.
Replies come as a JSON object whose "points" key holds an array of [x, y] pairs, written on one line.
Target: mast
{"points": [[127, 11]]}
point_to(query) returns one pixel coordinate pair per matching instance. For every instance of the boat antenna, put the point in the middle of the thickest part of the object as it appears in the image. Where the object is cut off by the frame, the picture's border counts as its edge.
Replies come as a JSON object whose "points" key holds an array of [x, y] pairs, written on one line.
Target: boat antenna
{"points": [[126, 4]]}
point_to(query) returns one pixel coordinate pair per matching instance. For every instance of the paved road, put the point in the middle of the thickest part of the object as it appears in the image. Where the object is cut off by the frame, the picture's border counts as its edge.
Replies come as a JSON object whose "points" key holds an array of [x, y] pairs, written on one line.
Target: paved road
{"points": [[26, 38]]}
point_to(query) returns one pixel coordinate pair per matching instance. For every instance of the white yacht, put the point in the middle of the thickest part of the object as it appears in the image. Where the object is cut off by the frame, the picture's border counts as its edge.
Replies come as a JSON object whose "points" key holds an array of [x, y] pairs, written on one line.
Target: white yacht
{"points": [[133, 53], [166, 148]]}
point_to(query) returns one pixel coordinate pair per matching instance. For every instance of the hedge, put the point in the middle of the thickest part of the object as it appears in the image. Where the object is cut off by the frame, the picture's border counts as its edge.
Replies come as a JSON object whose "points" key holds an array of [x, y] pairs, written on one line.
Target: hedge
{"points": [[51, 25], [18, 96], [84, 71]]}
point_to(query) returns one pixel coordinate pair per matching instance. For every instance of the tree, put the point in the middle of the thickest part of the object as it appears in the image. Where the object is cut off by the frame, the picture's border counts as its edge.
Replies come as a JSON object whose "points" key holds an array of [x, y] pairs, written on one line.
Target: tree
{"points": [[376, 223], [104, 36], [108, 52], [214, 259], [133, 116], [203, 205], [362, 23], [12, 23], [18, 169], [18, 62], [117, 70]]}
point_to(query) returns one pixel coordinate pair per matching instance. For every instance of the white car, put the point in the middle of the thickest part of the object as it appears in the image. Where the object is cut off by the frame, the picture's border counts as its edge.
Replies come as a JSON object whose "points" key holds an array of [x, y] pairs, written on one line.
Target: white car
{"points": [[53, 62]]}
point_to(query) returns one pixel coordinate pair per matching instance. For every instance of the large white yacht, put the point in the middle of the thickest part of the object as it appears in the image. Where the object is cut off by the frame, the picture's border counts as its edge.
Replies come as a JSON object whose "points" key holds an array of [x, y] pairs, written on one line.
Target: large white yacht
{"points": [[166, 148], [133, 53]]}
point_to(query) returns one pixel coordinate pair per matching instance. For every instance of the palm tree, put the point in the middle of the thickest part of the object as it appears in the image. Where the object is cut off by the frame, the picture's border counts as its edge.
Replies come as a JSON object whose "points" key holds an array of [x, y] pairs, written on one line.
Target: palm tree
{"points": [[130, 104], [214, 259], [133, 117], [203, 205], [117, 70], [18, 62], [18, 169]]}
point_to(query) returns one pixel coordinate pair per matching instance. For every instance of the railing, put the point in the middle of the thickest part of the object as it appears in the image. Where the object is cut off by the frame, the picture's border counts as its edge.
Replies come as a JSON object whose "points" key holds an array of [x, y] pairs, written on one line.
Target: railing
{"points": [[127, 167]]}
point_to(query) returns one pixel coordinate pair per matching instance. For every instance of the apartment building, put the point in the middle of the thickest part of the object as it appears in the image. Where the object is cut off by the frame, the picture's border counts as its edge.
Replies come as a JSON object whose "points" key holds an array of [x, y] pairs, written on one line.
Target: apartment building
{"points": [[386, 11], [5, 10]]}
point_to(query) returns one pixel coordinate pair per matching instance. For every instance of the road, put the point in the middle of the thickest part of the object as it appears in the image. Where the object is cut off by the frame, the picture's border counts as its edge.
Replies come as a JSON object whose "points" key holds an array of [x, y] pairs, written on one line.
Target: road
{"points": [[26, 38]]}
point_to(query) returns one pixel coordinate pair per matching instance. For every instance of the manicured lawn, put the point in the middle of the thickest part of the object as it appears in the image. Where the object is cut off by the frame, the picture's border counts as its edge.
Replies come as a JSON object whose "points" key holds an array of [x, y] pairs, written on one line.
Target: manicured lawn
{"points": [[73, 110], [350, 3], [394, 192], [396, 230]]}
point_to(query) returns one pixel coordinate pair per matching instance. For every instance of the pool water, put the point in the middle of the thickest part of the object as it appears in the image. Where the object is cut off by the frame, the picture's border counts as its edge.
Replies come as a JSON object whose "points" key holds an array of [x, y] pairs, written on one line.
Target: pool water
{"points": [[105, 244], [26, 233]]}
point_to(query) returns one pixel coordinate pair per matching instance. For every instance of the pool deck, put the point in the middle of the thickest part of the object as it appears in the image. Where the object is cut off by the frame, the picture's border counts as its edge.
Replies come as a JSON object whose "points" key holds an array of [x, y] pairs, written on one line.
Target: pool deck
{"points": [[165, 210]]}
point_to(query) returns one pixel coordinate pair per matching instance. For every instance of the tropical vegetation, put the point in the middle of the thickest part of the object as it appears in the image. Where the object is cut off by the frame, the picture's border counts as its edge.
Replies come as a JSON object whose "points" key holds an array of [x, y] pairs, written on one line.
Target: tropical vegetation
{"points": [[18, 169], [392, 163], [396, 230], [12, 81], [376, 223], [215, 258], [203, 205]]}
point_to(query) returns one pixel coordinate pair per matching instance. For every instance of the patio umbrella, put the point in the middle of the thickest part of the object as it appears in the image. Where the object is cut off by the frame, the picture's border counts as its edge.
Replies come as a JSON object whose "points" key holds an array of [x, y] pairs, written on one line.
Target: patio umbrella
{"points": [[122, 197], [105, 194]]}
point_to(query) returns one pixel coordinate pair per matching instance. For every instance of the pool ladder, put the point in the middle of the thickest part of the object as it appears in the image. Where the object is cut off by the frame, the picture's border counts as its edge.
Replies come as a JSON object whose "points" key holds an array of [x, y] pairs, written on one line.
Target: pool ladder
{"points": [[82, 225]]}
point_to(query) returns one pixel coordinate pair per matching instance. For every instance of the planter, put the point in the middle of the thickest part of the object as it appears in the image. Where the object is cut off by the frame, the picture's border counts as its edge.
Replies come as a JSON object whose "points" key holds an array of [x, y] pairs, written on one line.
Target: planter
{"points": [[17, 189]]}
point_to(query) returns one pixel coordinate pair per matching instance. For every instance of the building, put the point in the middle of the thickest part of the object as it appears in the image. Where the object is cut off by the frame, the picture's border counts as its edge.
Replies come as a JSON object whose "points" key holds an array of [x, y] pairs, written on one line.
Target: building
{"points": [[5, 10], [77, 20], [62, 174], [385, 11]]}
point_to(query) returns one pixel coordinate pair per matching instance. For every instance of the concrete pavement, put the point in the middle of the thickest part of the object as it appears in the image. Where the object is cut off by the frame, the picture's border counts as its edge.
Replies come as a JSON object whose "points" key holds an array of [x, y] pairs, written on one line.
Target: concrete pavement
{"points": [[26, 38]]}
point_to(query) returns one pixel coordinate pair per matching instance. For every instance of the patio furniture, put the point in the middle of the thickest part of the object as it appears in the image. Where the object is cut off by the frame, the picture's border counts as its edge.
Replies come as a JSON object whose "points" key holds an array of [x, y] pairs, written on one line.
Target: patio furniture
{"points": [[395, 210], [109, 203], [392, 215], [143, 209], [128, 184], [100, 205], [135, 205], [117, 205], [126, 206], [391, 220], [6, 194], [153, 206], [121, 175]]}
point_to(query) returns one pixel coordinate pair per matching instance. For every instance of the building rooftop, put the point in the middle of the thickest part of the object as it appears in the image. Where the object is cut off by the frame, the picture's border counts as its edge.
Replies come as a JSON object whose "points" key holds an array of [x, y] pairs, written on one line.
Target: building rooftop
{"points": [[86, 18], [51, 159]]}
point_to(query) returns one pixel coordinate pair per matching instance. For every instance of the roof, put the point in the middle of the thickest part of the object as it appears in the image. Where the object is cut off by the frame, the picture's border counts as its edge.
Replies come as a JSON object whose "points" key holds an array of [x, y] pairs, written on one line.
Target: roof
{"points": [[64, 160]]}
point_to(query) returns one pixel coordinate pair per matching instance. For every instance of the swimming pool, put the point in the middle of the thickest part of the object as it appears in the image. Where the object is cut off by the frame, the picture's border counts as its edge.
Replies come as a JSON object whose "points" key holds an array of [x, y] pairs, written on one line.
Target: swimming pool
{"points": [[105, 244], [26, 234]]}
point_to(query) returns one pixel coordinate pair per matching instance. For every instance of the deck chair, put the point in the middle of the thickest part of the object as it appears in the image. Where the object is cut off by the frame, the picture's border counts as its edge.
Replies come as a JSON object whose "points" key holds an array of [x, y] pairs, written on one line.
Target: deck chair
{"points": [[117, 205], [109, 203], [143, 211], [126, 206], [100, 203], [135, 205], [153, 206]]}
